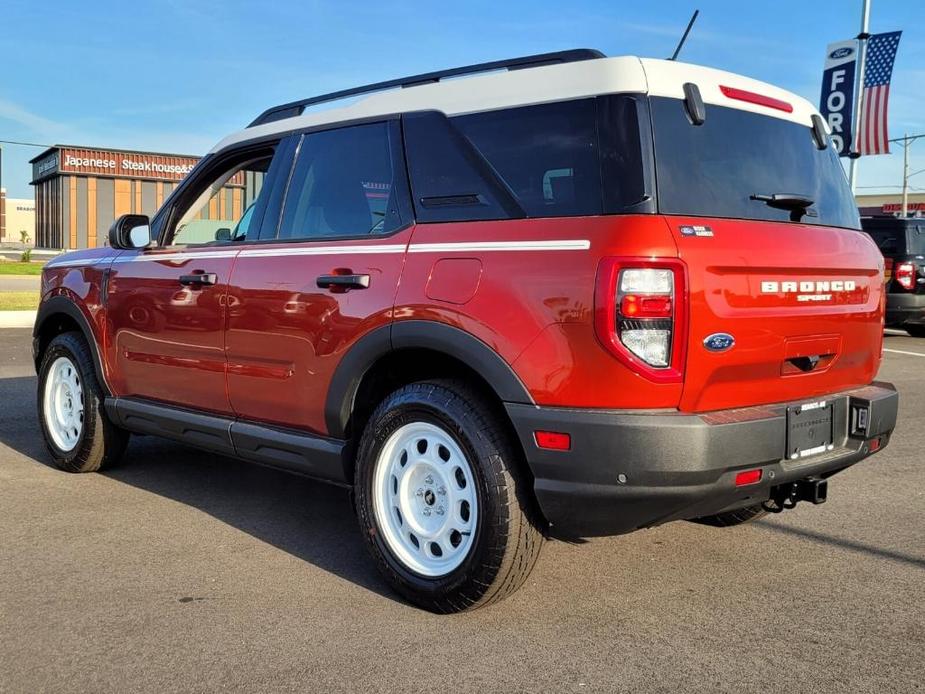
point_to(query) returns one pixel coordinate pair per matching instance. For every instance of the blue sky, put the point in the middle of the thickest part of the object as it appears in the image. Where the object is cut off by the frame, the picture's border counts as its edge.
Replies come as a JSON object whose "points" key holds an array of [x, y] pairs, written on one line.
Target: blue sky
{"points": [[174, 76]]}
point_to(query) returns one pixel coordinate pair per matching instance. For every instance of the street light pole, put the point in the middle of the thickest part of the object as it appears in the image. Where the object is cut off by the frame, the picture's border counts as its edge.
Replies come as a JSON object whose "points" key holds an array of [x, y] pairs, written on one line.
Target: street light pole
{"points": [[906, 142], [905, 208], [858, 96]]}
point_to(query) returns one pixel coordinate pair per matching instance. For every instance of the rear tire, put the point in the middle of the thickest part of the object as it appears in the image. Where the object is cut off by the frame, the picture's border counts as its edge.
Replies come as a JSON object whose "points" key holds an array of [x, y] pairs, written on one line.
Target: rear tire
{"points": [[916, 330], [731, 518], [440, 501], [76, 428]]}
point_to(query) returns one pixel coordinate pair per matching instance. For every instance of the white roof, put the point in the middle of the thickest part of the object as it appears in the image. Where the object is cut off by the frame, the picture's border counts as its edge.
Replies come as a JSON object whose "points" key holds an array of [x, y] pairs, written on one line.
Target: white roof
{"points": [[538, 85]]}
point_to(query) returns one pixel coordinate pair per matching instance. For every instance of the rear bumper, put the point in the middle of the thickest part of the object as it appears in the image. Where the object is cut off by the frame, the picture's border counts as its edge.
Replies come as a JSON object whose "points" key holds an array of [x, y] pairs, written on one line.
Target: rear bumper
{"points": [[902, 309], [629, 470]]}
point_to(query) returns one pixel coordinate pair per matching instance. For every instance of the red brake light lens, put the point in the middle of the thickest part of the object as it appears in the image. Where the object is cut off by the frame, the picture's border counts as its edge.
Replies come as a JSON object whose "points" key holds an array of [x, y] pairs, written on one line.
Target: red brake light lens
{"points": [[754, 98], [641, 306], [904, 273]]}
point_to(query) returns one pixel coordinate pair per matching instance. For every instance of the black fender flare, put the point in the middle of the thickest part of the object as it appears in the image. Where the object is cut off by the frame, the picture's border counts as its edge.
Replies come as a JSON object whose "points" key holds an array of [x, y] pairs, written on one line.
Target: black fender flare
{"points": [[420, 334], [62, 305]]}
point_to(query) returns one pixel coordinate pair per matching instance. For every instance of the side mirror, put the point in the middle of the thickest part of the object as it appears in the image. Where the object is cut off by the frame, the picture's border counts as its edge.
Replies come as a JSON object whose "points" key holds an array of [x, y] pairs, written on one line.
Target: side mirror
{"points": [[130, 232], [223, 234]]}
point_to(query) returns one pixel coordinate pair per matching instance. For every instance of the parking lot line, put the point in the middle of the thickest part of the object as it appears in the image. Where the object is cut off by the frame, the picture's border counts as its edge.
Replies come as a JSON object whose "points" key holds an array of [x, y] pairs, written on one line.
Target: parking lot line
{"points": [[902, 351]]}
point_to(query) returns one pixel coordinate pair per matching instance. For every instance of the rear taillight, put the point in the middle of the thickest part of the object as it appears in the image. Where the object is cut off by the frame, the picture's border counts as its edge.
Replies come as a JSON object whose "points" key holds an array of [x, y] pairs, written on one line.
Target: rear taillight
{"points": [[640, 314], [904, 273]]}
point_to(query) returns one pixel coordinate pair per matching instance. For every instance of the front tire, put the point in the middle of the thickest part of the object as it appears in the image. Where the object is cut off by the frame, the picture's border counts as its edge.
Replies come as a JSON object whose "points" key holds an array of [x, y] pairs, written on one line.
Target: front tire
{"points": [[77, 431], [916, 330], [441, 503]]}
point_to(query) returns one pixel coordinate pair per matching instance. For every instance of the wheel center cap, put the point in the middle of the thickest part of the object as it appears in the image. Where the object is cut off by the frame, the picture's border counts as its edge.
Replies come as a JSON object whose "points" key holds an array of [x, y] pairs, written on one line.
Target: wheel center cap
{"points": [[429, 497]]}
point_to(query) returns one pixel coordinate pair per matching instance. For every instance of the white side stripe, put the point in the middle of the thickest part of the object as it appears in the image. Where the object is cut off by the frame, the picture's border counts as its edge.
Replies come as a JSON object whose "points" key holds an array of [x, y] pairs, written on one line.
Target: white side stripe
{"points": [[322, 250], [271, 252], [580, 245], [80, 262]]}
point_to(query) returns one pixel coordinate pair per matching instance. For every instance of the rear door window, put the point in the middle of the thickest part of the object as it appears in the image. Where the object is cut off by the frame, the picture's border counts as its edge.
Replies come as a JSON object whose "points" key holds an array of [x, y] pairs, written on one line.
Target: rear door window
{"points": [[711, 170], [346, 183]]}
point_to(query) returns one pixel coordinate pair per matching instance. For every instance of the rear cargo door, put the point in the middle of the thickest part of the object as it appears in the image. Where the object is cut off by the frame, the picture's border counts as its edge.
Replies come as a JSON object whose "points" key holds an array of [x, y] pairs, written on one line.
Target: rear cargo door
{"points": [[803, 323], [785, 292]]}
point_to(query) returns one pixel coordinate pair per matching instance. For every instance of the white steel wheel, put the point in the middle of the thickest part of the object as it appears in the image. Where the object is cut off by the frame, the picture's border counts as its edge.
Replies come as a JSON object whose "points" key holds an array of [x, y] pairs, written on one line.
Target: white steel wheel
{"points": [[63, 404], [424, 499]]}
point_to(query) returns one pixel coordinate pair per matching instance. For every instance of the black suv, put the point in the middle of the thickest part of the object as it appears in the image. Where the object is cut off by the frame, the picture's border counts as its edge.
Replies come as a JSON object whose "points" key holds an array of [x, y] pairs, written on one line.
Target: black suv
{"points": [[902, 241]]}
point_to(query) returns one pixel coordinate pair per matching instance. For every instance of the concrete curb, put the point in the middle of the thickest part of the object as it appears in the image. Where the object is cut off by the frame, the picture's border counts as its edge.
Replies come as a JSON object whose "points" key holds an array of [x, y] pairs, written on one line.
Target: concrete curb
{"points": [[17, 319]]}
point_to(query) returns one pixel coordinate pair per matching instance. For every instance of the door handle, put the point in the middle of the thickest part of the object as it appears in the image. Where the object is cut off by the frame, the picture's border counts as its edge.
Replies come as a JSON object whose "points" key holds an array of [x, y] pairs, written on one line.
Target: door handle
{"points": [[343, 281], [199, 279]]}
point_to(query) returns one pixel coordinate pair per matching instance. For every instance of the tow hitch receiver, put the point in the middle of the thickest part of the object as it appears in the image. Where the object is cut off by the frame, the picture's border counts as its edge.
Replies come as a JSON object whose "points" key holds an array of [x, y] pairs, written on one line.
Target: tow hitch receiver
{"points": [[787, 496]]}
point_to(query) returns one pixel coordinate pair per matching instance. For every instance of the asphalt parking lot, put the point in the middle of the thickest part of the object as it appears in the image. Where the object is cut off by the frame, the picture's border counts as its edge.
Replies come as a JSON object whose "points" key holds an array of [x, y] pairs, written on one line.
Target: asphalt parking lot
{"points": [[184, 571]]}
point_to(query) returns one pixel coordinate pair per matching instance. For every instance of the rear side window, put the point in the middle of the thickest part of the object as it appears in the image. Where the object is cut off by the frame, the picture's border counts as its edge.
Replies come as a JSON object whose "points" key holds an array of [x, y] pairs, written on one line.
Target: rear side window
{"points": [[564, 159], [346, 183], [711, 170], [546, 155], [917, 240], [887, 241]]}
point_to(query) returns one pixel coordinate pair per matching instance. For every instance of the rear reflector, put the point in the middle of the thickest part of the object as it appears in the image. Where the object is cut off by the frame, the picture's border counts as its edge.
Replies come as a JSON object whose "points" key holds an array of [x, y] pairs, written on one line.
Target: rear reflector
{"points": [[753, 98], [748, 477], [874, 445], [553, 440]]}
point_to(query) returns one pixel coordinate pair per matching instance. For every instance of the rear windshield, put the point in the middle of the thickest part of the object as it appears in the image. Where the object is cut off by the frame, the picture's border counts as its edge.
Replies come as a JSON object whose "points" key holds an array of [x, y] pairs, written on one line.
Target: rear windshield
{"points": [[711, 170]]}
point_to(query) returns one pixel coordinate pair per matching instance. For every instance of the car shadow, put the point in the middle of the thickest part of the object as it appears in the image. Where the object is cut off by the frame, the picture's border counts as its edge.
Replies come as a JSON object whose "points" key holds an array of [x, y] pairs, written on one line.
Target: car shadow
{"points": [[850, 545], [310, 520]]}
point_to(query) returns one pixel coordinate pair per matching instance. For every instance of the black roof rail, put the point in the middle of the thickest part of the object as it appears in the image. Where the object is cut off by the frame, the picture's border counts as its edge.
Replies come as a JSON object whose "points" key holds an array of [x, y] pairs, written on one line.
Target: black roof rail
{"points": [[295, 108]]}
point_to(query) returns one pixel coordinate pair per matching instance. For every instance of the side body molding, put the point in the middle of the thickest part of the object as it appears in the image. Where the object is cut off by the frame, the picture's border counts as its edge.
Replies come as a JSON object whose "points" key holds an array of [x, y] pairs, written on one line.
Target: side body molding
{"points": [[62, 305], [416, 334]]}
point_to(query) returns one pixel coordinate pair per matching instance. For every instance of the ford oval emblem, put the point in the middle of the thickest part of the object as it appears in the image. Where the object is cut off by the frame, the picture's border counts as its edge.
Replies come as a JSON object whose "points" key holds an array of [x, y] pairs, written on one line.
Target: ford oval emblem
{"points": [[842, 52], [719, 342]]}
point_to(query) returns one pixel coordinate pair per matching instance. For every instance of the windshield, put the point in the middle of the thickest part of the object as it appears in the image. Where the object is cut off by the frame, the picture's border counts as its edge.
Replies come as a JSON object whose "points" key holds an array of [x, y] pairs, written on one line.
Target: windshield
{"points": [[714, 169]]}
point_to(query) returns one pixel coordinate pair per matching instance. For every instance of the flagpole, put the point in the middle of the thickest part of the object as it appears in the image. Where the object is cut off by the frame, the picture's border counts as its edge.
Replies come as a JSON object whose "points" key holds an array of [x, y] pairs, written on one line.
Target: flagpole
{"points": [[859, 95]]}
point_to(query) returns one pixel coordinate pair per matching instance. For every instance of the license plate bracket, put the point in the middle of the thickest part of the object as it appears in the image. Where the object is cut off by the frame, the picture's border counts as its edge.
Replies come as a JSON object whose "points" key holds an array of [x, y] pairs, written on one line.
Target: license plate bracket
{"points": [[809, 429]]}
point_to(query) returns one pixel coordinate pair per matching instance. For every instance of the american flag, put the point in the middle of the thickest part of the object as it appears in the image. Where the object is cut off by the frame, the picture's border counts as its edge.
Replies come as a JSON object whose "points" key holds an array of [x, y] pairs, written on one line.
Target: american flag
{"points": [[878, 68]]}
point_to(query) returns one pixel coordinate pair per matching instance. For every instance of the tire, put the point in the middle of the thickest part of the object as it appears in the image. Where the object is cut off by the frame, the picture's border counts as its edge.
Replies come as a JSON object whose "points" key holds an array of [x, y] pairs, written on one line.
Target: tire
{"points": [[79, 440], [487, 537], [916, 330], [731, 518]]}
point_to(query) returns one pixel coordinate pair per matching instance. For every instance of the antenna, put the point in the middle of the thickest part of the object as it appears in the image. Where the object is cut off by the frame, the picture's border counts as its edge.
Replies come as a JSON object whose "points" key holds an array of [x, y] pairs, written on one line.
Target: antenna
{"points": [[686, 32]]}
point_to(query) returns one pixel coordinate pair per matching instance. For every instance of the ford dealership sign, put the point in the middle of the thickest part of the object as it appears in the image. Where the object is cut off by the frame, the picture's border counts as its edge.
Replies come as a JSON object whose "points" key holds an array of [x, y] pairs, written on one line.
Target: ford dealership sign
{"points": [[837, 101]]}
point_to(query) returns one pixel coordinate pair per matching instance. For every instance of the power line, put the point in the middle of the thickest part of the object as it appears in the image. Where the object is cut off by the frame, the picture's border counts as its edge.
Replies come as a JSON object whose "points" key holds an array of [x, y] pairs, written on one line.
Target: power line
{"points": [[24, 144]]}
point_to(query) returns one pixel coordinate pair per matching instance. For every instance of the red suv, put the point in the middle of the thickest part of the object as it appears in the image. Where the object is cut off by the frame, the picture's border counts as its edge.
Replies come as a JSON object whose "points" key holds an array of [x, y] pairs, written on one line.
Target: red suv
{"points": [[568, 295]]}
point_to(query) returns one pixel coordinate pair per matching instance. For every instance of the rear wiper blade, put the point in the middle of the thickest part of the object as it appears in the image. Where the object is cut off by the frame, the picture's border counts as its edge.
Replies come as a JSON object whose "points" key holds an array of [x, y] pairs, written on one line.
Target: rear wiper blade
{"points": [[784, 201]]}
